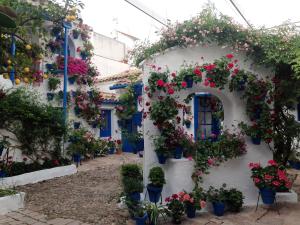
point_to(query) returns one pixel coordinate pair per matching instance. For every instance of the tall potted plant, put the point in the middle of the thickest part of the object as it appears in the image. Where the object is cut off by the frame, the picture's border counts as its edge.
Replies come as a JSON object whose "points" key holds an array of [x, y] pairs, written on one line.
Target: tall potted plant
{"points": [[132, 180], [161, 149], [157, 179]]}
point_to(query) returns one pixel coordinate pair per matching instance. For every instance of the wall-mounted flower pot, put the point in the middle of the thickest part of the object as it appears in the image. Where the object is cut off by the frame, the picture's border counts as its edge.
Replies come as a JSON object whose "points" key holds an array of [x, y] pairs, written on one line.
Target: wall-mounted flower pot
{"points": [[189, 81], [241, 86], [135, 196], [90, 93], [161, 158], [295, 164], [139, 145], [219, 208], [178, 152], [190, 211], [2, 174], [256, 140], [154, 193], [137, 118], [49, 66], [50, 96], [111, 151], [267, 195], [83, 55], [188, 125], [71, 80], [94, 124], [77, 111], [76, 125], [138, 89], [141, 220], [75, 35]]}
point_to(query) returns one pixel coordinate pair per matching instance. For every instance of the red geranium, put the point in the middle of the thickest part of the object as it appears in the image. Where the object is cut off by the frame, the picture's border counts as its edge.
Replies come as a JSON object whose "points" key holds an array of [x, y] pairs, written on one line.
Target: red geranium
{"points": [[229, 56], [160, 83], [230, 65], [183, 84], [197, 71], [171, 91]]}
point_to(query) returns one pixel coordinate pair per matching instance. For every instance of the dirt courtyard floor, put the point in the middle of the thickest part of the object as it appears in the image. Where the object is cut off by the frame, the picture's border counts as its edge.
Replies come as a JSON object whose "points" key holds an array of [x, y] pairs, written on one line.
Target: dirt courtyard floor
{"points": [[91, 196]]}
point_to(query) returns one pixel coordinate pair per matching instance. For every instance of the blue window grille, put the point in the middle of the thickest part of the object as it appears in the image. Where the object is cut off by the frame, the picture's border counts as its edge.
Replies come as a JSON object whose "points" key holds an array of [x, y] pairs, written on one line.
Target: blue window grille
{"points": [[205, 122], [105, 130]]}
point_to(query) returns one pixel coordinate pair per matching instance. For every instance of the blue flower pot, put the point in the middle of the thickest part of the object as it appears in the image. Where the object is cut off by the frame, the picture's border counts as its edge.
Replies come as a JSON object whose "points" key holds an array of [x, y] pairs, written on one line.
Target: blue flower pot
{"points": [[140, 145], [135, 196], [189, 81], [219, 208], [76, 125], [188, 125], [77, 157], [75, 35], [73, 94], [111, 151], [242, 85], [71, 80], [154, 193], [137, 118], [161, 158], [50, 96], [267, 195], [94, 124], [76, 111], [141, 220], [90, 93], [83, 55], [295, 164], [49, 66], [256, 140], [138, 90], [178, 152], [2, 174], [190, 211]]}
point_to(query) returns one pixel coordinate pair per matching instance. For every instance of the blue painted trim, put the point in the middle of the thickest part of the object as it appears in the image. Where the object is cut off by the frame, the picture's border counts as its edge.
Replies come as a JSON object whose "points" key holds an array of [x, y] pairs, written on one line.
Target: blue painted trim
{"points": [[107, 115], [196, 109], [118, 86], [112, 102], [13, 53]]}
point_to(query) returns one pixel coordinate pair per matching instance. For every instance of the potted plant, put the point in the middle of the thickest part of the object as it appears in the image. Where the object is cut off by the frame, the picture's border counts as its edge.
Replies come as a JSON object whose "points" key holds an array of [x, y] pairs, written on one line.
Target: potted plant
{"points": [[192, 201], [75, 33], [269, 180], [175, 208], [56, 30], [163, 110], [161, 149], [253, 131], [140, 215], [187, 123], [72, 79], [154, 211], [234, 200], [127, 107], [118, 147], [217, 198], [50, 96], [132, 180], [111, 146], [53, 83], [189, 74], [294, 160], [76, 125], [157, 180], [238, 80]]}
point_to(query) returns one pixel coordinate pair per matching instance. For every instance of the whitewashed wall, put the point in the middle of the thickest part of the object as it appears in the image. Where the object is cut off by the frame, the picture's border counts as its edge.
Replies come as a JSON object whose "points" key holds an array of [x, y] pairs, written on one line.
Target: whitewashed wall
{"points": [[178, 171]]}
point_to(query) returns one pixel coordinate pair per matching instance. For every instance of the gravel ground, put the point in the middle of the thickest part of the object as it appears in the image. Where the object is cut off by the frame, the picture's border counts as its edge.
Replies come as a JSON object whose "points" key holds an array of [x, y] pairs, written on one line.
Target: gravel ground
{"points": [[90, 195]]}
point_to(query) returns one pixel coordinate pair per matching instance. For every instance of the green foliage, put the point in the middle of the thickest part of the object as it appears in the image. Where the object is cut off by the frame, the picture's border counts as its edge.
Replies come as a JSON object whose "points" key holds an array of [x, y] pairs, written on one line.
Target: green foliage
{"points": [[163, 110], [132, 178], [157, 176], [38, 126], [234, 199], [53, 83], [156, 75], [175, 208], [7, 192], [127, 106], [154, 211], [160, 146], [216, 195]]}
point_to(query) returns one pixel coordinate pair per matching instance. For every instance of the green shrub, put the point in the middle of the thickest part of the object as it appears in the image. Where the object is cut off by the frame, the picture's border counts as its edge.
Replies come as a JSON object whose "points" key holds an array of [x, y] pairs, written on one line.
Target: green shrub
{"points": [[53, 83], [157, 176], [132, 178], [234, 199]]}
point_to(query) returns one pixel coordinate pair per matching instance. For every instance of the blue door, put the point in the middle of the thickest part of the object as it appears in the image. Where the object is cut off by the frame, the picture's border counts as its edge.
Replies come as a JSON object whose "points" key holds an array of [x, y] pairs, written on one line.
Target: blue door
{"points": [[129, 128], [105, 130], [207, 125]]}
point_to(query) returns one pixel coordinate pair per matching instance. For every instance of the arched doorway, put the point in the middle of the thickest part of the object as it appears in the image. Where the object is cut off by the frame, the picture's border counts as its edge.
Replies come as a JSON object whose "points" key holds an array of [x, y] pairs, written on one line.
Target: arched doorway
{"points": [[208, 116]]}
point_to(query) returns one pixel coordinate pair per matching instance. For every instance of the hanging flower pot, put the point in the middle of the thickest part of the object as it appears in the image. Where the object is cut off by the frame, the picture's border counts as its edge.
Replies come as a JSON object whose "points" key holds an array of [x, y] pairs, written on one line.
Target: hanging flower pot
{"points": [[94, 124], [137, 118], [135, 196], [241, 86], [76, 125], [75, 34], [77, 158], [50, 96], [154, 193], [267, 195], [161, 158], [90, 93], [72, 80], [77, 110], [83, 55], [140, 145], [2, 174], [178, 152], [189, 81], [138, 89], [256, 140], [219, 208], [190, 211], [111, 151], [141, 220]]}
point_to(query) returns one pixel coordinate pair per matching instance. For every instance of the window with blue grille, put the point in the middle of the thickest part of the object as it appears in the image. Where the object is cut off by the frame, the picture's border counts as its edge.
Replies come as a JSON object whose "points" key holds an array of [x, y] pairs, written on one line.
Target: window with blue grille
{"points": [[105, 130]]}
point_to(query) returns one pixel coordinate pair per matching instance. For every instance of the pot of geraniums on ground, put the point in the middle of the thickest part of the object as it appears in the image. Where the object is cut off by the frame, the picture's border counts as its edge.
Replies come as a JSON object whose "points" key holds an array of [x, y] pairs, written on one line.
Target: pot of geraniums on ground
{"points": [[217, 197], [270, 179], [132, 180], [157, 181], [294, 160], [161, 149], [111, 145], [175, 208]]}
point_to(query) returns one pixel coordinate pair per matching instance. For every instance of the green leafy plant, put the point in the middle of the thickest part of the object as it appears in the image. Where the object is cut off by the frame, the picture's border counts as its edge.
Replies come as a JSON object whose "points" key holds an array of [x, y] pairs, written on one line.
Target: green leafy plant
{"points": [[163, 110], [216, 195], [160, 147], [132, 178], [127, 106], [234, 200], [175, 208], [7, 192], [154, 211], [157, 176], [53, 83]]}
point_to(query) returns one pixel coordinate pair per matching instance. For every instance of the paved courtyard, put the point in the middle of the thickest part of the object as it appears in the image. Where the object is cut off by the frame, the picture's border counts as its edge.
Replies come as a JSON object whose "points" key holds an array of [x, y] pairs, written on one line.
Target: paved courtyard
{"points": [[91, 195]]}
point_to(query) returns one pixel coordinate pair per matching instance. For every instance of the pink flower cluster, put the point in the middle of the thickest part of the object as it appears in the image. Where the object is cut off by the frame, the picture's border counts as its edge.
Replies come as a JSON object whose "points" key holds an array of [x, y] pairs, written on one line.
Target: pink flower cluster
{"points": [[76, 67]]}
